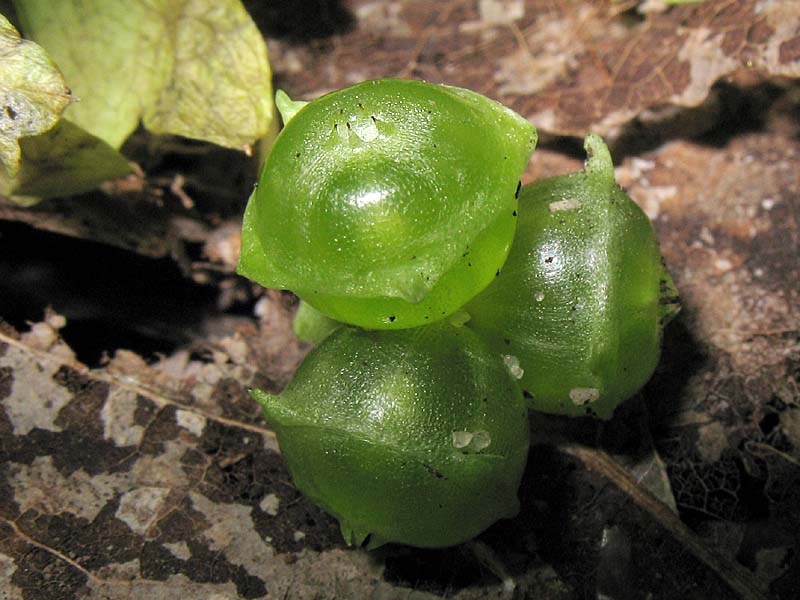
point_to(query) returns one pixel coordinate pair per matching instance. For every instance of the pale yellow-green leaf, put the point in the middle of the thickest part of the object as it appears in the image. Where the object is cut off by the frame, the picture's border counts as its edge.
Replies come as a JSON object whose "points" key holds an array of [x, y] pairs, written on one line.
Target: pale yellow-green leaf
{"points": [[113, 54], [32, 93], [220, 88], [196, 68], [65, 160]]}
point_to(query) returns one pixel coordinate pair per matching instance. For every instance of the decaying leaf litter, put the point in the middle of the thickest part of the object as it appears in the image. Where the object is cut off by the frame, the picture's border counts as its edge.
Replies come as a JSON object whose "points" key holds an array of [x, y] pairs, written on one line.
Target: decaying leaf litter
{"points": [[154, 476]]}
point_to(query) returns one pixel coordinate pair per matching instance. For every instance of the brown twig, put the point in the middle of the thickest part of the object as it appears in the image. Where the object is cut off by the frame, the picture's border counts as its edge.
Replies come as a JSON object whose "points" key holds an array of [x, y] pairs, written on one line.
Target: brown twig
{"points": [[741, 581]]}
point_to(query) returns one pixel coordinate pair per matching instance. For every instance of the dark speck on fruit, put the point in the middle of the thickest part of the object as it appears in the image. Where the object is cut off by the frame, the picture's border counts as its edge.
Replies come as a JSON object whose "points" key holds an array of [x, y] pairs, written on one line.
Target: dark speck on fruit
{"points": [[436, 473]]}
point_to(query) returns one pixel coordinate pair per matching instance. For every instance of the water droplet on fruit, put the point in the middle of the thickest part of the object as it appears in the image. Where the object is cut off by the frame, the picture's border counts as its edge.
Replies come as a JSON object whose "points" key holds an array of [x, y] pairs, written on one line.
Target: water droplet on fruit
{"points": [[581, 396], [481, 440], [462, 439], [512, 363]]}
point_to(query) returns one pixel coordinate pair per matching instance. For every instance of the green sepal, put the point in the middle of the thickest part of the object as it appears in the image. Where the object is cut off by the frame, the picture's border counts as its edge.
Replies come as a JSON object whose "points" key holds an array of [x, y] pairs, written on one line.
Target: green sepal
{"points": [[598, 160], [287, 107], [312, 326]]}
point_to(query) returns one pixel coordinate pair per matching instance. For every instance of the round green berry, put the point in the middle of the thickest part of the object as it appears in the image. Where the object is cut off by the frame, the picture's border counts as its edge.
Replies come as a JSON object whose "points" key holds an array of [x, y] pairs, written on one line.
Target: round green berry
{"points": [[417, 436], [581, 302], [388, 204]]}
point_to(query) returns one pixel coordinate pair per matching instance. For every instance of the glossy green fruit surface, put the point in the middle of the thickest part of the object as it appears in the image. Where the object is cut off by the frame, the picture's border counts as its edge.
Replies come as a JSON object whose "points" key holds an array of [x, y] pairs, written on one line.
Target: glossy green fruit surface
{"points": [[388, 204], [581, 301], [417, 436]]}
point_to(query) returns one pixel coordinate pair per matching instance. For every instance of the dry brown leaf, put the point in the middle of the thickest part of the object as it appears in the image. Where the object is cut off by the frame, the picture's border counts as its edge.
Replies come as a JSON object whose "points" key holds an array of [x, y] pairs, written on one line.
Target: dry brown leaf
{"points": [[141, 480], [570, 67]]}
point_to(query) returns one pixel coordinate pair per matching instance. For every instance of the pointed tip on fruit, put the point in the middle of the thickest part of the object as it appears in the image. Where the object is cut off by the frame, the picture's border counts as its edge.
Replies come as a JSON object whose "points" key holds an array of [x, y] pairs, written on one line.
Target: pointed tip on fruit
{"points": [[287, 107], [598, 158], [354, 537], [269, 403], [263, 398], [275, 407]]}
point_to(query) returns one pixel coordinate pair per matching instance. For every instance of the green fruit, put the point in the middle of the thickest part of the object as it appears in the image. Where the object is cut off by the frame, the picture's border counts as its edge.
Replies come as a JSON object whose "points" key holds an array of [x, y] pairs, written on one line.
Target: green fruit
{"points": [[388, 204], [581, 302], [310, 325], [417, 436]]}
